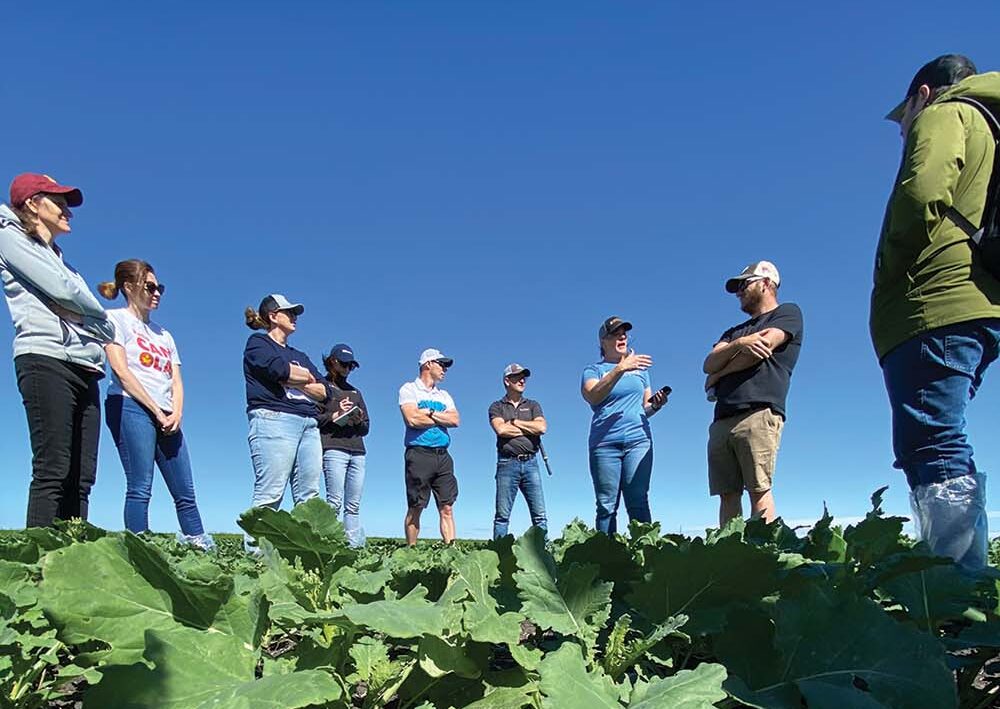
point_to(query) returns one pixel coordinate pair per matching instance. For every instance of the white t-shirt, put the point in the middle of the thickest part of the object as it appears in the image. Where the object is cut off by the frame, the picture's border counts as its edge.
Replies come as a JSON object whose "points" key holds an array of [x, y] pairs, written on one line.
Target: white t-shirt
{"points": [[151, 356], [416, 392]]}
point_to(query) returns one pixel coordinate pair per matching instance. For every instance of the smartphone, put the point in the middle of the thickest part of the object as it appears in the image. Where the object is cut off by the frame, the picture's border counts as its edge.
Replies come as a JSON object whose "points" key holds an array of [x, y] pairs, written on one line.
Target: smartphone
{"points": [[665, 389]]}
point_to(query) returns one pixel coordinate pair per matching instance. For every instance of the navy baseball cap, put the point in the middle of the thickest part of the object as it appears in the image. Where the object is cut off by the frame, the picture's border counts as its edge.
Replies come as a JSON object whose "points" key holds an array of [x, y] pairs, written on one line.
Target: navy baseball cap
{"points": [[343, 353], [946, 70]]}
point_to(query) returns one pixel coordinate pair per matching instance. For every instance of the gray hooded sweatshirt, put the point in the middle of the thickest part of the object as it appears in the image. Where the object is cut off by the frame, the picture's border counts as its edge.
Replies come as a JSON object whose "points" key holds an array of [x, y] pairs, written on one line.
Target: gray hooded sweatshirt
{"points": [[53, 310]]}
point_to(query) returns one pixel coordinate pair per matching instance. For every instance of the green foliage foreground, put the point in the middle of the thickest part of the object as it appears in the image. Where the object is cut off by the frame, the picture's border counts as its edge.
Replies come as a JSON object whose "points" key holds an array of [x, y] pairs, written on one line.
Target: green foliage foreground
{"points": [[751, 615]]}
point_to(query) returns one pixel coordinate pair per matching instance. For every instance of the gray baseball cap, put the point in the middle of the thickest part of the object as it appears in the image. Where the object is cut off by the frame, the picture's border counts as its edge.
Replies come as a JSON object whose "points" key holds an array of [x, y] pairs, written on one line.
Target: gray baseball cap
{"points": [[276, 301], [515, 368]]}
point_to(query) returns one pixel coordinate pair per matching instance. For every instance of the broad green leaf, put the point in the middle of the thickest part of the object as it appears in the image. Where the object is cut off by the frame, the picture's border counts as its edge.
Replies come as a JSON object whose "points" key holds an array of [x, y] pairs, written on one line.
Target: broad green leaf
{"points": [[876, 536], [825, 542], [310, 532], [934, 595], [439, 656], [504, 698], [699, 688], [137, 592], [407, 617], [704, 581], [197, 670], [566, 682], [573, 602], [360, 584], [614, 560], [621, 654], [17, 581]]}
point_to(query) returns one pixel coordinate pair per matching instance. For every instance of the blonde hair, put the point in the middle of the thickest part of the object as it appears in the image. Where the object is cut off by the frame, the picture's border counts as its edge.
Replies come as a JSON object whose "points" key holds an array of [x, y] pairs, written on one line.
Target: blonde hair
{"points": [[131, 270]]}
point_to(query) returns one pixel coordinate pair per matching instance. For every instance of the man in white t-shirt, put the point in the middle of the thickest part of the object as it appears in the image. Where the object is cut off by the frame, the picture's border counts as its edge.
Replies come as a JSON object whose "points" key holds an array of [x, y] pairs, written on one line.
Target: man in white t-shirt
{"points": [[428, 413]]}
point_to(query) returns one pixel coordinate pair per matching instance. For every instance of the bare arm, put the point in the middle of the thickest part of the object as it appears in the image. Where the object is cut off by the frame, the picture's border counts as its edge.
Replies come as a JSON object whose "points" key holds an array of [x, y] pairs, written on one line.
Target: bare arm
{"points": [[315, 391], [759, 346], [448, 418], [596, 390], [414, 417], [535, 427], [132, 386], [299, 375], [173, 421], [505, 429]]}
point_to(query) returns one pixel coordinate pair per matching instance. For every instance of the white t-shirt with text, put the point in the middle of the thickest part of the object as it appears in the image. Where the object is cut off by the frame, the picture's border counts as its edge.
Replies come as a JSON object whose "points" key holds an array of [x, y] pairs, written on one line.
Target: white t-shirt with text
{"points": [[150, 353]]}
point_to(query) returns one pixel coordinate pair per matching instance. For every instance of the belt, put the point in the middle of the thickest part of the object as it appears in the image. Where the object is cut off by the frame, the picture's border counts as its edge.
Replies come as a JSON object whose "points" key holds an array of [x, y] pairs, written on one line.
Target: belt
{"points": [[520, 456], [439, 450]]}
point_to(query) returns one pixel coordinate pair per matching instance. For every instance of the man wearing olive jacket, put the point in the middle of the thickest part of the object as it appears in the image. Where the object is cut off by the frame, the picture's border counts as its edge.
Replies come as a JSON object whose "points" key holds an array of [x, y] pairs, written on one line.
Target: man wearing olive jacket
{"points": [[935, 312]]}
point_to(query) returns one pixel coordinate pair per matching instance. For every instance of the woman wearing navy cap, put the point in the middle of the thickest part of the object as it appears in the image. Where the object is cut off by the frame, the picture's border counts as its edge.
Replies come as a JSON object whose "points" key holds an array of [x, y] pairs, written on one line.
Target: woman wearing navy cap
{"points": [[59, 335], [343, 426], [283, 390]]}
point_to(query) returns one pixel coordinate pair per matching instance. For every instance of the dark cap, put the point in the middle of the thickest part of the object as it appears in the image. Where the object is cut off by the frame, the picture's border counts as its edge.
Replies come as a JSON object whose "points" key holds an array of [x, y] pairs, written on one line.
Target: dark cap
{"points": [[946, 70], [612, 324], [342, 353], [28, 184], [276, 302]]}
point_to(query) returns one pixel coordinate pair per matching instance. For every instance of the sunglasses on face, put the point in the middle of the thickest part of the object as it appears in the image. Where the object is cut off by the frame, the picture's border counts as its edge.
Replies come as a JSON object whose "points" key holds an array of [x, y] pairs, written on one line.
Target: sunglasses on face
{"points": [[154, 288], [441, 364], [746, 284]]}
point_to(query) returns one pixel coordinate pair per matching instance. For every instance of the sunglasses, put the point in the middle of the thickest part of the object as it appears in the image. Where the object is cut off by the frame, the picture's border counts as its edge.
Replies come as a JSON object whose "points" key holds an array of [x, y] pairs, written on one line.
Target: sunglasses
{"points": [[153, 288], [442, 365], [746, 284]]}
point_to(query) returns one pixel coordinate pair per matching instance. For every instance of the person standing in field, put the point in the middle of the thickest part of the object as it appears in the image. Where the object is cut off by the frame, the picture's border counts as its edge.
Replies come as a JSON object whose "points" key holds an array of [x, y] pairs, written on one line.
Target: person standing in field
{"points": [[145, 403], [748, 373], [428, 413], [60, 330], [519, 425], [283, 390], [935, 310], [621, 443], [343, 425]]}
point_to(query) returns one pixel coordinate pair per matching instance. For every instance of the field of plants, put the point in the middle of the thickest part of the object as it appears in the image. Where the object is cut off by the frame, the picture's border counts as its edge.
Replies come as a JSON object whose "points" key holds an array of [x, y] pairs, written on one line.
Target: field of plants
{"points": [[752, 615]]}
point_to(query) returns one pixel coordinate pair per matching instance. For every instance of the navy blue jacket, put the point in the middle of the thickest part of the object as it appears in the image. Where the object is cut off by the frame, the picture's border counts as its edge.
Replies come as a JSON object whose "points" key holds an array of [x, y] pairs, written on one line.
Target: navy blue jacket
{"points": [[266, 365]]}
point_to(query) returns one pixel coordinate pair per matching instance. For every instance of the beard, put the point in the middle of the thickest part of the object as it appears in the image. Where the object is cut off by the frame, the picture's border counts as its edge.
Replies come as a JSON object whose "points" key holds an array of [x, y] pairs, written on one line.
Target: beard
{"points": [[750, 302]]}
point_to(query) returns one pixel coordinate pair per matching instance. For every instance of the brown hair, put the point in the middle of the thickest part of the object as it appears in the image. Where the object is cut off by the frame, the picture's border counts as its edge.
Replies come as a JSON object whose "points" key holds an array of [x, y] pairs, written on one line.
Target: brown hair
{"points": [[29, 222], [129, 271], [255, 321]]}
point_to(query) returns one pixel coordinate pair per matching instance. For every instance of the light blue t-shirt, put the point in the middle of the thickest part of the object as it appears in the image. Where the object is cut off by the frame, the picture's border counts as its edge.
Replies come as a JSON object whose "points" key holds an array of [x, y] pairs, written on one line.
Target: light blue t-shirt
{"points": [[619, 418]]}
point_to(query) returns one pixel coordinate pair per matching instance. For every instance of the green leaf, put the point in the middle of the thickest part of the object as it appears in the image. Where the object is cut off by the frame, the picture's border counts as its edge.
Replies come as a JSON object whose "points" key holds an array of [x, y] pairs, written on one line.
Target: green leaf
{"points": [[699, 688], [310, 532], [704, 581], [138, 592], [621, 654], [614, 560], [566, 682], [573, 603], [935, 595], [825, 542], [439, 656], [407, 617], [197, 670], [504, 698]]}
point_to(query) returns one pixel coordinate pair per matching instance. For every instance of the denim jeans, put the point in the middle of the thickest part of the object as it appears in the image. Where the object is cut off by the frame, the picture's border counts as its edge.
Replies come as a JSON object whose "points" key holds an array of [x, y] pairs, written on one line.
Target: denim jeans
{"points": [[930, 380], [284, 448], [345, 481], [513, 475], [140, 443], [621, 469]]}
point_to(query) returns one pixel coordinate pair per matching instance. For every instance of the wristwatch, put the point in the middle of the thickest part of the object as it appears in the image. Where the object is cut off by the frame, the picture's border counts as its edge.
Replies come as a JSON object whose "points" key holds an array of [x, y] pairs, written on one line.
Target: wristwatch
{"points": [[430, 414]]}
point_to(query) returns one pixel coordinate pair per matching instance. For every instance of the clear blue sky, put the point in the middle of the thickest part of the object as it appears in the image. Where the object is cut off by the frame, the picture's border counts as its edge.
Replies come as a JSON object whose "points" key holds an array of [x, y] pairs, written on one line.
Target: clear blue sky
{"points": [[493, 179]]}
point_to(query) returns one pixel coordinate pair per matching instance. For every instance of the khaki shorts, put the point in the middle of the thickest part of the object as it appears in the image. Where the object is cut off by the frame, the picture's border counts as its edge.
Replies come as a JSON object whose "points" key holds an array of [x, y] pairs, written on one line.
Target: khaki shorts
{"points": [[742, 450]]}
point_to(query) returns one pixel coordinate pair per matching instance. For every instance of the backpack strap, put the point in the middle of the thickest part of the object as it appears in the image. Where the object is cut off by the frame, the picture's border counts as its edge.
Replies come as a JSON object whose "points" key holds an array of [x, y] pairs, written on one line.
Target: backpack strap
{"points": [[960, 220]]}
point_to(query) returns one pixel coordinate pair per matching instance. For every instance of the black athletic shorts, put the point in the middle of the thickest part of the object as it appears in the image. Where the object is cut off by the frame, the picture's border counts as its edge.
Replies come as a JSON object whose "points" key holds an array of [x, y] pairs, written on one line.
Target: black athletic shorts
{"points": [[429, 470]]}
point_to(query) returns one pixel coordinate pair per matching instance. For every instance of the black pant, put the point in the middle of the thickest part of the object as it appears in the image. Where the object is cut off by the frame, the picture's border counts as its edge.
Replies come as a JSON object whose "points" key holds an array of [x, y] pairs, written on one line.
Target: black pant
{"points": [[64, 420]]}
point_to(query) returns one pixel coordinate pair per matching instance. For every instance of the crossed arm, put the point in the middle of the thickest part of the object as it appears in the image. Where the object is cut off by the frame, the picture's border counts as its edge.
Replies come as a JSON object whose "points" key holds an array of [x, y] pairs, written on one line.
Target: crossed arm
{"points": [[515, 428], [741, 353], [428, 418]]}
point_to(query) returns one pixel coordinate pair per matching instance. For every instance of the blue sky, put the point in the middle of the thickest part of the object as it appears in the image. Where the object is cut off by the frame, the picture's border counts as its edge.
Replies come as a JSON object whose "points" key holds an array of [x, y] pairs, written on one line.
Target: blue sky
{"points": [[492, 179]]}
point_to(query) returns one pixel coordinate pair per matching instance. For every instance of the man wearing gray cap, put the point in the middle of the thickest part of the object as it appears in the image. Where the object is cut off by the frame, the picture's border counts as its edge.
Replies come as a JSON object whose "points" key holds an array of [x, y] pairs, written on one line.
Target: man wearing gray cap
{"points": [[519, 425], [749, 371], [429, 413], [935, 309]]}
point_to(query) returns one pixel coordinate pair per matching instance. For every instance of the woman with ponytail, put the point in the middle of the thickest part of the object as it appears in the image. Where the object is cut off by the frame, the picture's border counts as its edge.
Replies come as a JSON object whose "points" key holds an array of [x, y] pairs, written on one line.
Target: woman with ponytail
{"points": [[59, 334], [146, 401], [283, 389]]}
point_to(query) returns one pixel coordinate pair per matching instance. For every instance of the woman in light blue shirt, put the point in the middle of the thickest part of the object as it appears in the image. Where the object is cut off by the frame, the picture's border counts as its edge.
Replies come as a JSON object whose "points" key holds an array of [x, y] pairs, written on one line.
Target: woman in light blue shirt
{"points": [[621, 445]]}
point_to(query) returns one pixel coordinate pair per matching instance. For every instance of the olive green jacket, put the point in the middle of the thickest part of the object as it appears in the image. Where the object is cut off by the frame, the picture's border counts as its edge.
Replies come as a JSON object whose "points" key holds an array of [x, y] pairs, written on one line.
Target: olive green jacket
{"points": [[925, 275]]}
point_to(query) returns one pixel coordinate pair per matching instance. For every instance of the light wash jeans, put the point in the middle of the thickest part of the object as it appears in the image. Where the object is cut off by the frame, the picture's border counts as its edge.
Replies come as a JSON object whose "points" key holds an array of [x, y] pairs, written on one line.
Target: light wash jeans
{"points": [[284, 448], [621, 469], [345, 481]]}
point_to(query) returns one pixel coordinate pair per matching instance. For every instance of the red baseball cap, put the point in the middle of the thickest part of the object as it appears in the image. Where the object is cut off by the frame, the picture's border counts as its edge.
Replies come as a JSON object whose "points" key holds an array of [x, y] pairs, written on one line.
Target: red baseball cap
{"points": [[28, 184]]}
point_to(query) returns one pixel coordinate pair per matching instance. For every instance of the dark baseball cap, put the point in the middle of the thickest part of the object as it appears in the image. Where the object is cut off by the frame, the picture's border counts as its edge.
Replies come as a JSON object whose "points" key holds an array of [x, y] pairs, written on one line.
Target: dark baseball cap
{"points": [[28, 184], [612, 324], [276, 301], [946, 70], [343, 353]]}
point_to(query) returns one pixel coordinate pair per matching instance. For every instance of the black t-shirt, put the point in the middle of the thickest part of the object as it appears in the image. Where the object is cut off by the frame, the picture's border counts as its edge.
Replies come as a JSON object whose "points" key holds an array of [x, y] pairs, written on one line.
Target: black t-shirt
{"points": [[765, 383], [347, 435], [525, 410]]}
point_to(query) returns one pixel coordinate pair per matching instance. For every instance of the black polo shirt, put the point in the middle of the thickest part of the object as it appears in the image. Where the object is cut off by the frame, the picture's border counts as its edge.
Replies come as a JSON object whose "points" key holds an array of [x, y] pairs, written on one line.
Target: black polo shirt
{"points": [[525, 410]]}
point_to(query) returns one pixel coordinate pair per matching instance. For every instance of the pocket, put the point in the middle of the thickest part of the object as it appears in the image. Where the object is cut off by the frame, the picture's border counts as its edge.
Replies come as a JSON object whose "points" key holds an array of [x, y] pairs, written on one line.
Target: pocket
{"points": [[265, 414], [959, 353]]}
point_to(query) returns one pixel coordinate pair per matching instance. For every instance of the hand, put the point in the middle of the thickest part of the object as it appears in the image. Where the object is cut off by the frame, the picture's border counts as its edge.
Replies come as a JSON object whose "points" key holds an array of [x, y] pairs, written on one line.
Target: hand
{"points": [[710, 381], [171, 423], [345, 405], [635, 362], [756, 346], [657, 400]]}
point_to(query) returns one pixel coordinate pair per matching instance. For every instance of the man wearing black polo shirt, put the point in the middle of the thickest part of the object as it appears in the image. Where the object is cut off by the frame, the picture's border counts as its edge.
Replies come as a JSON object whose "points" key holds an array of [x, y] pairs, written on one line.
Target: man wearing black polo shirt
{"points": [[519, 425], [749, 371]]}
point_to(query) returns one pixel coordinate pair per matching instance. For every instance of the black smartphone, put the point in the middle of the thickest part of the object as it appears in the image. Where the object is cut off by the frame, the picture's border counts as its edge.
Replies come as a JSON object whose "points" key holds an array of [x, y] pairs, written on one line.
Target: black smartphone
{"points": [[665, 389]]}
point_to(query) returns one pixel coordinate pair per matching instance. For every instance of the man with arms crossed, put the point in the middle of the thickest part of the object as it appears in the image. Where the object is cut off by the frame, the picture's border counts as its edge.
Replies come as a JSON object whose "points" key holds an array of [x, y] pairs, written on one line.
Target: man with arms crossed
{"points": [[749, 371], [428, 413], [519, 425], [935, 311]]}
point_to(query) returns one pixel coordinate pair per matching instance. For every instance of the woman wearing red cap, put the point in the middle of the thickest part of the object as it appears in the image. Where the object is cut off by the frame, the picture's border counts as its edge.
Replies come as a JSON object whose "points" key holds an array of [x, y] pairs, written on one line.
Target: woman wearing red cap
{"points": [[59, 335]]}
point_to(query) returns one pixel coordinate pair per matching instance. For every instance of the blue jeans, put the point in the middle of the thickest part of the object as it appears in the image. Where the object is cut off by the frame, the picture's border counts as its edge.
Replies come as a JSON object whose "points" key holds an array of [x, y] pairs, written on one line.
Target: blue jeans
{"points": [[513, 475], [284, 448], [140, 443], [621, 469], [345, 480], [930, 379]]}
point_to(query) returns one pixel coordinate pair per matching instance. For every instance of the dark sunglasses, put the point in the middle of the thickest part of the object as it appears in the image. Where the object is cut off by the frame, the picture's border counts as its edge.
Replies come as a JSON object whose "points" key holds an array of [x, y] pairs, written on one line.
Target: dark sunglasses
{"points": [[154, 288], [746, 284], [442, 365]]}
